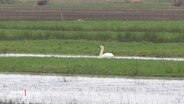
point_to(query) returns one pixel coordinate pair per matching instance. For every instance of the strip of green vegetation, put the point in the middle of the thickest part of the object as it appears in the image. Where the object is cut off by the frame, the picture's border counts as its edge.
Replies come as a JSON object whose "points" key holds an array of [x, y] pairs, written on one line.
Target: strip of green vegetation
{"points": [[131, 26], [113, 4], [148, 4], [111, 67], [82, 47], [122, 31], [156, 37]]}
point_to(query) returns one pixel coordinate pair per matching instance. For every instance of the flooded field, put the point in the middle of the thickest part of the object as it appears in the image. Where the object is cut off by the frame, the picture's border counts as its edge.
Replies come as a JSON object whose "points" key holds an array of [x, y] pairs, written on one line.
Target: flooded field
{"points": [[46, 89]]}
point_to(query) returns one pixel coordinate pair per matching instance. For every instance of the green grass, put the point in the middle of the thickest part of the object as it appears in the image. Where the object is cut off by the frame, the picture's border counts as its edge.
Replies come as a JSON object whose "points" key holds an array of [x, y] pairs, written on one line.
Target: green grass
{"points": [[122, 38], [145, 5], [106, 67], [82, 47], [131, 26], [148, 4], [121, 31]]}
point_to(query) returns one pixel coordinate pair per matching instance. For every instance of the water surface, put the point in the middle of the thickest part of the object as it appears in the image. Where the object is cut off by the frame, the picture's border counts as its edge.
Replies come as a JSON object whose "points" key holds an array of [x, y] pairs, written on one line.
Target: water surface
{"points": [[46, 89], [89, 56]]}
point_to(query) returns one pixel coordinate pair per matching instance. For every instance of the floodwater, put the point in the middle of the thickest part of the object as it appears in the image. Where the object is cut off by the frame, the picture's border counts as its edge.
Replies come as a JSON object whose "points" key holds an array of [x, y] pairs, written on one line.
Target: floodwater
{"points": [[88, 56], [47, 89]]}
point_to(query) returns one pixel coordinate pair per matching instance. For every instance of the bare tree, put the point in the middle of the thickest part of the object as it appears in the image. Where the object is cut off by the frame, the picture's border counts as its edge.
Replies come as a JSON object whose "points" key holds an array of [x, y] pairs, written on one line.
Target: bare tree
{"points": [[178, 2], [42, 2]]}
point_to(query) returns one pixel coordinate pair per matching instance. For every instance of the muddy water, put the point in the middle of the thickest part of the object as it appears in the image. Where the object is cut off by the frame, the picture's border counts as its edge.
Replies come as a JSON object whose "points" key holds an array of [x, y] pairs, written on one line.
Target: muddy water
{"points": [[89, 90]]}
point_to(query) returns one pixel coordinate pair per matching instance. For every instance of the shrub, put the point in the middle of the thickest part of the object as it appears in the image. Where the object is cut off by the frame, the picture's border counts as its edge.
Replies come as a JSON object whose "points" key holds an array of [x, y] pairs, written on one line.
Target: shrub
{"points": [[178, 2], [42, 2]]}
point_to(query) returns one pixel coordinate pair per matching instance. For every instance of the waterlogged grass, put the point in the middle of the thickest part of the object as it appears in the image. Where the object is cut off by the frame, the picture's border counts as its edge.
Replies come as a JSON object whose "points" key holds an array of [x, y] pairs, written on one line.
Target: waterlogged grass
{"points": [[14, 102], [81, 47], [10, 102], [107, 67], [121, 31]]}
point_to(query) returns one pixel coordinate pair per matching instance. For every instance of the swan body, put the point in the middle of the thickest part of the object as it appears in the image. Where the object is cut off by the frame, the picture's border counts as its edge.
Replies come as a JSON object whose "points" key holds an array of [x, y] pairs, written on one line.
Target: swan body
{"points": [[107, 55], [104, 54]]}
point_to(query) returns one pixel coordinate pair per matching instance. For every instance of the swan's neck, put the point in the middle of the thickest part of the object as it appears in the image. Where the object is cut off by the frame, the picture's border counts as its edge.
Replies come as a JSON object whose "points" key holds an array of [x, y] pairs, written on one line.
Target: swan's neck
{"points": [[101, 51]]}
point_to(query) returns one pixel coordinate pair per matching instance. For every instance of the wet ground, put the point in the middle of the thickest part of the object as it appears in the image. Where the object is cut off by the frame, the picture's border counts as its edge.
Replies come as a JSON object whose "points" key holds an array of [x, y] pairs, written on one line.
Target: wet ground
{"points": [[48, 89], [88, 56]]}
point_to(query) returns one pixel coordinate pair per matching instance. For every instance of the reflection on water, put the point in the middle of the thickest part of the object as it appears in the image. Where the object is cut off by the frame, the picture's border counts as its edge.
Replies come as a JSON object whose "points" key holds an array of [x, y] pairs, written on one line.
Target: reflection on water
{"points": [[90, 90]]}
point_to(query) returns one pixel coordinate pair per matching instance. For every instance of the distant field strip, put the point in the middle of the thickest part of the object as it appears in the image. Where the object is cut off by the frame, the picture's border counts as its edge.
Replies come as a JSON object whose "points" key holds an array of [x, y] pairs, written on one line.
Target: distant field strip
{"points": [[88, 56], [90, 14], [121, 31]]}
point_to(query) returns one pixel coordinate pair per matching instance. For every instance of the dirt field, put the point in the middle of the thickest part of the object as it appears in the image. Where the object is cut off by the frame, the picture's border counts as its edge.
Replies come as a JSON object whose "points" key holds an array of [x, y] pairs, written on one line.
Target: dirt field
{"points": [[89, 14]]}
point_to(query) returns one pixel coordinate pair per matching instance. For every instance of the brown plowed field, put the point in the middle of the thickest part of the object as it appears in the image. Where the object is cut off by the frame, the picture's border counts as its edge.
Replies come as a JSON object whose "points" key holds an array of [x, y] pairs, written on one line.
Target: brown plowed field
{"points": [[91, 14]]}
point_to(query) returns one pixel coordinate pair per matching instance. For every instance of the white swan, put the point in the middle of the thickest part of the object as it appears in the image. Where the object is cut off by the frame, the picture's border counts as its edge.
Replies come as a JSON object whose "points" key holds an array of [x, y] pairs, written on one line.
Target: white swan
{"points": [[104, 54]]}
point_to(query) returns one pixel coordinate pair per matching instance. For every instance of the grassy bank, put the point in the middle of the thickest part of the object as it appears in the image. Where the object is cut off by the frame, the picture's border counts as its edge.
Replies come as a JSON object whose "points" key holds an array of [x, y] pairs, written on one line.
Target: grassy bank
{"points": [[82, 47], [121, 31], [107, 67]]}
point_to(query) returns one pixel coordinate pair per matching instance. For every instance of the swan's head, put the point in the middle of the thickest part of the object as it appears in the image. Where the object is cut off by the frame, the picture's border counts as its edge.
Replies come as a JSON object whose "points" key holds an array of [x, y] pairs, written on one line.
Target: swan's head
{"points": [[101, 46]]}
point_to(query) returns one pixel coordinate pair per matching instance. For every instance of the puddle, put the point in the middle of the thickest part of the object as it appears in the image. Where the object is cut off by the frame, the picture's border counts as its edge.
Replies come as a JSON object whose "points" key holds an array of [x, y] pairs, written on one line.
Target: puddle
{"points": [[47, 89], [88, 56]]}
